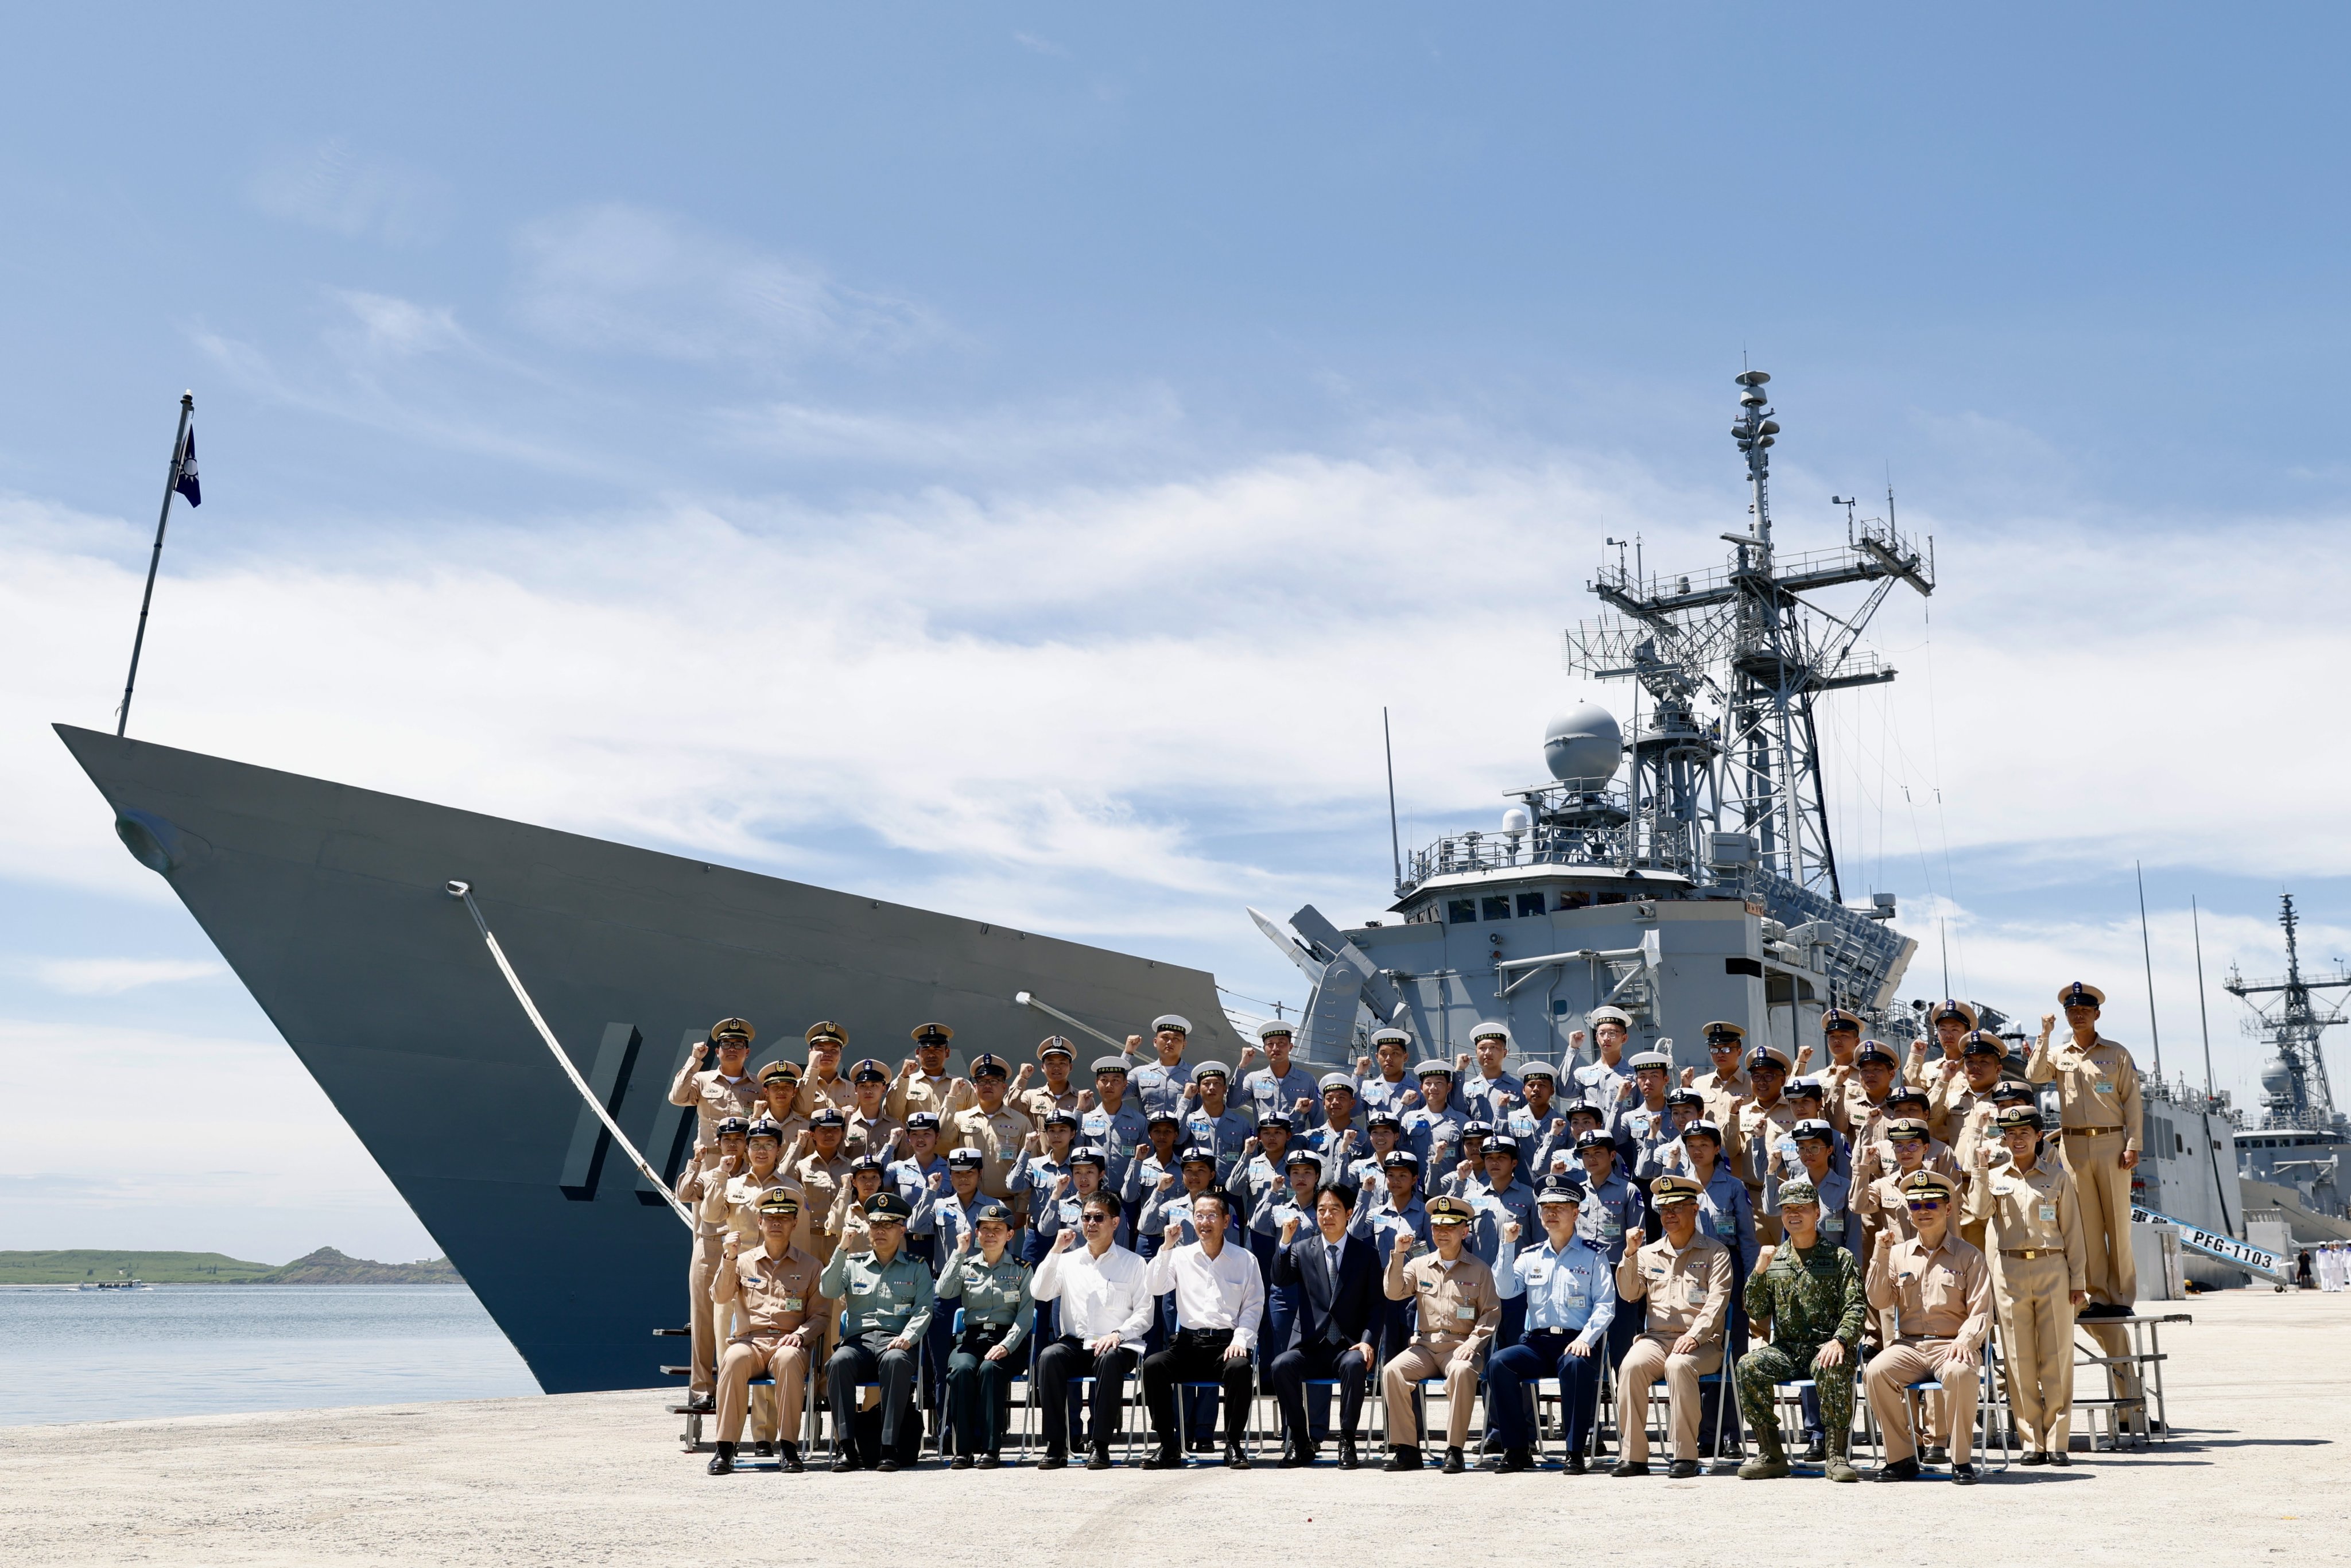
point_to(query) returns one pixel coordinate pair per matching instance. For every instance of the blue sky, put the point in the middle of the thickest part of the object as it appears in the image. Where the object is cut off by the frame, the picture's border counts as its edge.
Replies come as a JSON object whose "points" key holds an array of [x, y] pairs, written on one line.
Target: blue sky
{"points": [[1010, 456]]}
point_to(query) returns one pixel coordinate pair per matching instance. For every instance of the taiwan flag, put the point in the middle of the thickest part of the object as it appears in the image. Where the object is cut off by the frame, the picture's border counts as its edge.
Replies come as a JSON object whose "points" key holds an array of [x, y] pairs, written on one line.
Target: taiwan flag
{"points": [[186, 484]]}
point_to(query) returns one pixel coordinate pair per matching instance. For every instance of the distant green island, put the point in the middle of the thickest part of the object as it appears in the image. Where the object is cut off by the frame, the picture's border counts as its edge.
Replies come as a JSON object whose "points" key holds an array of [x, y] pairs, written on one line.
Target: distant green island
{"points": [[81, 1266]]}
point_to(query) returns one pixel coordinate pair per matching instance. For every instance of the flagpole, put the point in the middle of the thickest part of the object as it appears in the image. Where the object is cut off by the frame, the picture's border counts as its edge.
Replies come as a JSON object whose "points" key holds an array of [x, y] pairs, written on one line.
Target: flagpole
{"points": [[171, 482]]}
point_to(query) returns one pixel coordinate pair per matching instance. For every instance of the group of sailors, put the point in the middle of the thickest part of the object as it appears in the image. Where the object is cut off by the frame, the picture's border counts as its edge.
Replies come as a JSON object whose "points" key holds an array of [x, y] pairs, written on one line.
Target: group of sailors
{"points": [[2329, 1266], [918, 1240]]}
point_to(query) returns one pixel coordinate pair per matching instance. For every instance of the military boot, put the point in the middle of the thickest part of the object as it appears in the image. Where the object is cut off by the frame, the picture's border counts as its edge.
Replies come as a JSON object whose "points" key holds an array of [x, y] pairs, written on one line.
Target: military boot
{"points": [[1840, 1468], [1771, 1460]]}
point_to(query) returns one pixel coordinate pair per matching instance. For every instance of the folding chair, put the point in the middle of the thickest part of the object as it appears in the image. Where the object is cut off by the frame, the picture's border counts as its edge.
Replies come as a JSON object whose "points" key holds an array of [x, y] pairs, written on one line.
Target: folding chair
{"points": [[1249, 1440]]}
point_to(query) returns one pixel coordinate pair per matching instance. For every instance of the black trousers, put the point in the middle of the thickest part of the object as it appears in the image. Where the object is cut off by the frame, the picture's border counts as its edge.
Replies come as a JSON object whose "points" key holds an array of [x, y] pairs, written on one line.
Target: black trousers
{"points": [[870, 1360], [1196, 1356], [1288, 1375], [979, 1391], [1063, 1362]]}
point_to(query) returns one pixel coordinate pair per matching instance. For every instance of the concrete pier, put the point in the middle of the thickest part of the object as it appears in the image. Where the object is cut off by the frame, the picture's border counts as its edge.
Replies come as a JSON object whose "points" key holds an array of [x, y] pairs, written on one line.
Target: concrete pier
{"points": [[2260, 1391]]}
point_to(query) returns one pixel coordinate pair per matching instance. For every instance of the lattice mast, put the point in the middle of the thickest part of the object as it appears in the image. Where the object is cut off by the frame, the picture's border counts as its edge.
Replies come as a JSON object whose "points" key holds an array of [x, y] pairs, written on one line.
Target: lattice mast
{"points": [[2294, 1086], [1729, 664]]}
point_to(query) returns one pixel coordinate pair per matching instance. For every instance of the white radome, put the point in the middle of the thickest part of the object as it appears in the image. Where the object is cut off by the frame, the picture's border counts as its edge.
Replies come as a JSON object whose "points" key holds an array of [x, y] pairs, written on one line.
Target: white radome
{"points": [[1515, 821], [1583, 745]]}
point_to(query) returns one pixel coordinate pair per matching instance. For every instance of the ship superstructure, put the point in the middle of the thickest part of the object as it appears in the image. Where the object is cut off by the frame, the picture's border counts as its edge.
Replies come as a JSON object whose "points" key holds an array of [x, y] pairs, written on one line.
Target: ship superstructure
{"points": [[2302, 1138], [1682, 868]]}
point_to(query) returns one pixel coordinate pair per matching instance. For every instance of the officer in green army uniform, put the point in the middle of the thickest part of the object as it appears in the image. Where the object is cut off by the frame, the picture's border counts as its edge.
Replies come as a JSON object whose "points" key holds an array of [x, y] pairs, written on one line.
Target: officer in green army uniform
{"points": [[1808, 1293]]}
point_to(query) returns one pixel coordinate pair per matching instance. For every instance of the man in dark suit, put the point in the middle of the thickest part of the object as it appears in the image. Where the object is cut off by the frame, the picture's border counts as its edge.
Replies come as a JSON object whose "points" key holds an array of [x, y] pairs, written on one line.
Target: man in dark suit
{"points": [[1335, 1278]]}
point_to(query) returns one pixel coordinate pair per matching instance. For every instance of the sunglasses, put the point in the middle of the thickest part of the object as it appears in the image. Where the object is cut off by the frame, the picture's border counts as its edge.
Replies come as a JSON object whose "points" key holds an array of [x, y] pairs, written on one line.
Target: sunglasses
{"points": [[1925, 1205], [1093, 1219]]}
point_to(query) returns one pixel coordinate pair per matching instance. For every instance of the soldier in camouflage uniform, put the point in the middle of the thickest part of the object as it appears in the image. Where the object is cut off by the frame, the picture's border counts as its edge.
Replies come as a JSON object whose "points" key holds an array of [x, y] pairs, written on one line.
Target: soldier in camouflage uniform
{"points": [[1808, 1293]]}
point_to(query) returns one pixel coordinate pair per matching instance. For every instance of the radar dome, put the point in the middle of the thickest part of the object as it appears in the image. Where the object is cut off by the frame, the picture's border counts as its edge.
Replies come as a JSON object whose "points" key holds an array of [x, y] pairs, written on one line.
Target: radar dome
{"points": [[1583, 745], [1516, 821]]}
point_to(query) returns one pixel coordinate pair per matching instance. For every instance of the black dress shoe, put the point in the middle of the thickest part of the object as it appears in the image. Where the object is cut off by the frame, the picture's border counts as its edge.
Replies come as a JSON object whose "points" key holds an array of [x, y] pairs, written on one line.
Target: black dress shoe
{"points": [[1896, 1470], [1963, 1475], [1682, 1470], [1163, 1460], [1236, 1456], [1453, 1462], [960, 1462], [887, 1464], [1816, 1452], [1509, 1461], [1347, 1457], [2060, 1457], [844, 1462], [701, 1404], [1099, 1459], [1630, 1468], [765, 1451], [788, 1459], [1206, 1445], [990, 1461], [1053, 1461], [1294, 1457], [722, 1462], [1403, 1456], [1573, 1464], [2035, 1457], [1935, 1454]]}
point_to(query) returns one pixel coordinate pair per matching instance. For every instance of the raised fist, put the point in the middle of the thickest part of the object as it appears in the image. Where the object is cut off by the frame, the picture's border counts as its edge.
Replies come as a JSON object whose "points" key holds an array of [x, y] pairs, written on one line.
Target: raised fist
{"points": [[1409, 1099], [701, 1049], [1133, 1043], [1191, 1092], [1576, 1040], [1689, 1076], [1403, 1248], [1363, 1067], [728, 1165], [1803, 1059], [1028, 1070], [1635, 1237], [1461, 1061], [1290, 1229], [1166, 1180], [1086, 1099], [909, 1067], [1249, 1147], [1248, 1053], [1061, 1242], [1299, 1108], [1173, 1235], [1511, 1231], [2048, 1024]]}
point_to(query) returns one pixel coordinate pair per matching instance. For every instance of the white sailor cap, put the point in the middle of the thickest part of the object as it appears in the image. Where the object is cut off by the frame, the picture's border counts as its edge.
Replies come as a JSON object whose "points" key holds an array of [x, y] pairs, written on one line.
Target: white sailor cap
{"points": [[1175, 1021], [1390, 1036], [1656, 1058], [1435, 1067], [1491, 1029], [1272, 1026], [1599, 1015], [1330, 1081]]}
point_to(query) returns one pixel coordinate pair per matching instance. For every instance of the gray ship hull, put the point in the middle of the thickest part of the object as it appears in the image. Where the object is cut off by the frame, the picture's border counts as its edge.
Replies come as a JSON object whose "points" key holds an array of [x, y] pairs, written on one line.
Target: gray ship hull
{"points": [[327, 902]]}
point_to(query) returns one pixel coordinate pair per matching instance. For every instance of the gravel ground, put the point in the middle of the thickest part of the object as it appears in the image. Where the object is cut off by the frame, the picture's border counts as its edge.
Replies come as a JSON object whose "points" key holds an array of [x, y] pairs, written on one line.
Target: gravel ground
{"points": [[2260, 1391]]}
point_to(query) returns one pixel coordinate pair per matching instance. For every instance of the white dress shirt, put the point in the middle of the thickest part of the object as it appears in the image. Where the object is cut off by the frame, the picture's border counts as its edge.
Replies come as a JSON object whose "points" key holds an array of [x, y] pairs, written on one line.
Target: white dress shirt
{"points": [[1227, 1292], [1105, 1295]]}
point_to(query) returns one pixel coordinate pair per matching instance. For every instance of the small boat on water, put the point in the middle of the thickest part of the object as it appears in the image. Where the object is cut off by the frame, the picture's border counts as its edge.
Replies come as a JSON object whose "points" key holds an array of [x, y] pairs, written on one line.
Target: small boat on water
{"points": [[125, 1283]]}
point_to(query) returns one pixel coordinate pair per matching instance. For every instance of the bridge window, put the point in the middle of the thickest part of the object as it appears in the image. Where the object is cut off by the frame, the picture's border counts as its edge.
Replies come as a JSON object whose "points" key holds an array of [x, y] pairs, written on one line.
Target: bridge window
{"points": [[1530, 903], [1461, 911], [1498, 908]]}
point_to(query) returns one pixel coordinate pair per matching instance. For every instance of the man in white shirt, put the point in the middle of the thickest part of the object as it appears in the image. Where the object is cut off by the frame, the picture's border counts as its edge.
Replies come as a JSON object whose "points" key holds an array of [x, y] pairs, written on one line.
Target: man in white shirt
{"points": [[1219, 1302], [1106, 1309]]}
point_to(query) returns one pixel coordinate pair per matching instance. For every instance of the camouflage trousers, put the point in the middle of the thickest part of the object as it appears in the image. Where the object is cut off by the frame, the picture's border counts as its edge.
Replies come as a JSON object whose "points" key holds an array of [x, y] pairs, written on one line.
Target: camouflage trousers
{"points": [[1788, 1361]]}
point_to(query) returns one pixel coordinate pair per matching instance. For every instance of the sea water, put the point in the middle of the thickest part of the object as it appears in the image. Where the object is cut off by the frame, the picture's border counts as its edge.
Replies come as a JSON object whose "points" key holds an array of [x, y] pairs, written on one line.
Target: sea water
{"points": [[198, 1350]]}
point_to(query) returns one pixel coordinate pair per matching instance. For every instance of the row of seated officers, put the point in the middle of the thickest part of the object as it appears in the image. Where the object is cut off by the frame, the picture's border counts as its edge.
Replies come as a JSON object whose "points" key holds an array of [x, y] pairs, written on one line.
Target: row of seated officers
{"points": [[1076, 1237]]}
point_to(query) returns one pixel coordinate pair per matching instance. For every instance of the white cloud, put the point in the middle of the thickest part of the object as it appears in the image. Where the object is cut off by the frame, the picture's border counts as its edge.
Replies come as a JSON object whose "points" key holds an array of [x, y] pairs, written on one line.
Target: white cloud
{"points": [[239, 1150], [401, 328], [111, 976], [333, 187], [621, 278]]}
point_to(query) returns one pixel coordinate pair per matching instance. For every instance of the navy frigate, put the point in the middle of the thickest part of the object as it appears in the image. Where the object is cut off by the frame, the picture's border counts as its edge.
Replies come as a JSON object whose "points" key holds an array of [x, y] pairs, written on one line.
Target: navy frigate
{"points": [[1679, 867]]}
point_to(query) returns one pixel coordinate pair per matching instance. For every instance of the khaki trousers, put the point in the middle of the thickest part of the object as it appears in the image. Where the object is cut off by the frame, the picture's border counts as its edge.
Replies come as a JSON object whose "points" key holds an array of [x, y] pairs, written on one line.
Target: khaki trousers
{"points": [[2037, 1331], [745, 1359], [1893, 1369], [701, 1270], [2105, 1190], [1400, 1380], [1649, 1358]]}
